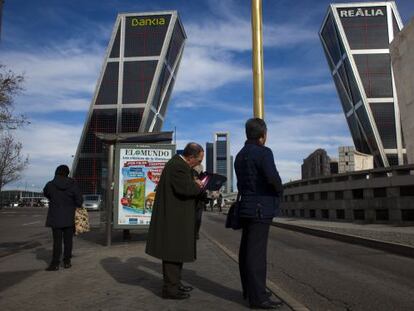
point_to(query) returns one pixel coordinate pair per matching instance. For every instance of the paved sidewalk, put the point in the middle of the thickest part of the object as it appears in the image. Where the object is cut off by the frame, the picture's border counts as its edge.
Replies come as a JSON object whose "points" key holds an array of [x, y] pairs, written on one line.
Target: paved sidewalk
{"points": [[390, 238], [402, 234], [121, 277]]}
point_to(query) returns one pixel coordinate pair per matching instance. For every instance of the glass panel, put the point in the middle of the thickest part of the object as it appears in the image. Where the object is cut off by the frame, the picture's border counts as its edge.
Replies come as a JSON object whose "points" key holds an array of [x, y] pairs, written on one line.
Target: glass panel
{"points": [[115, 47], [375, 73], [158, 125], [341, 44], [177, 41], [392, 159], [108, 90], [355, 92], [138, 78], [162, 83], [328, 59], [345, 81], [346, 104], [357, 136], [131, 119], [103, 121], [369, 133], [385, 120], [330, 38], [151, 115], [144, 35], [365, 27], [167, 98], [88, 175]]}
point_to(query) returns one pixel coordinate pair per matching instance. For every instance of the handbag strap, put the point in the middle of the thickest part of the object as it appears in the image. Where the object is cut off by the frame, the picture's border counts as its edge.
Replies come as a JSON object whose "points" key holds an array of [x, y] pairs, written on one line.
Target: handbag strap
{"points": [[238, 196]]}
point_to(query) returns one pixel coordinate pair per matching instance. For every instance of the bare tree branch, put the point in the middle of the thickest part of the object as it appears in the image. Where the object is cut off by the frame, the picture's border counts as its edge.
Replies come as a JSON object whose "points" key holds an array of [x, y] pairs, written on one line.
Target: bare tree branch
{"points": [[11, 84], [12, 162]]}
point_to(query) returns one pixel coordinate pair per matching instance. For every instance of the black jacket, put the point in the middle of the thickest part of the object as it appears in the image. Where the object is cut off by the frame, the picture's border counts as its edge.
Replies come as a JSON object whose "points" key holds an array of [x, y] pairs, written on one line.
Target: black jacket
{"points": [[64, 197], [258, 181]]}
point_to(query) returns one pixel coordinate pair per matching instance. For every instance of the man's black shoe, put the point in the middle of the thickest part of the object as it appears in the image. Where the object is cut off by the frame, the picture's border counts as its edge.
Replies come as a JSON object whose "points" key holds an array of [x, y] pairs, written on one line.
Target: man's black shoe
{"points": [[52, 267], [185, 289], [268, 294], [268, 305], [179, 295], [67, 265]]}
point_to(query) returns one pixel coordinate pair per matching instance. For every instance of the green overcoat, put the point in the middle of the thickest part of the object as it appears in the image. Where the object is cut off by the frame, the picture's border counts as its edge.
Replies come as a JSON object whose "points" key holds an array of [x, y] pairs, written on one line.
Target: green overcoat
{"points": [[171, 235]]}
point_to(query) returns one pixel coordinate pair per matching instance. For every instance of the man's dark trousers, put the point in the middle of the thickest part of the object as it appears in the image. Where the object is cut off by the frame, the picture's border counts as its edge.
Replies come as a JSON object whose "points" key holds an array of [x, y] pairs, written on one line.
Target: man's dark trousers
{"points": [[59, 234], [172, 276], [252, 258]]}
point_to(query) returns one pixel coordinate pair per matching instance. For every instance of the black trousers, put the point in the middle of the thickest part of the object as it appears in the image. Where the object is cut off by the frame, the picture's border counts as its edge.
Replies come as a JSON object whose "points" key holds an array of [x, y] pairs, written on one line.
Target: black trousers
{"points": [[252, 258], [59, 235], [172, 276], [199, 215]]}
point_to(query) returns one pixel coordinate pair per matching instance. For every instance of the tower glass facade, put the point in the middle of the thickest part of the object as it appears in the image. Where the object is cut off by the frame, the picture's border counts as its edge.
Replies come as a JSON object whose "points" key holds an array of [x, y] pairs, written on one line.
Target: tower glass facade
{"points": [[356, 38], [133, 89], [222, 163]]}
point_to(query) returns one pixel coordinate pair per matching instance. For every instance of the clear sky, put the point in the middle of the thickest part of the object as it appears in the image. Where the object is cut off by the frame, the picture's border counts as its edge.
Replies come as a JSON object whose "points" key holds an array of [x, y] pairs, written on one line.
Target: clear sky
{"points": [[60, 45]]}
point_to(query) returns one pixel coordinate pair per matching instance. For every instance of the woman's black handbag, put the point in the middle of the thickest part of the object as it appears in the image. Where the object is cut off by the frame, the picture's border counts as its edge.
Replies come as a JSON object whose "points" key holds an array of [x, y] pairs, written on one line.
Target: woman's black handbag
{"points": [[233, 216]]}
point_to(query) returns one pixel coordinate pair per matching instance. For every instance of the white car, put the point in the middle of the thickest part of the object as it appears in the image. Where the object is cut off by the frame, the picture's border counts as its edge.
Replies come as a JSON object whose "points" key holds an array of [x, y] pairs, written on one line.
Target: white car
{"points": [[92, 202]]}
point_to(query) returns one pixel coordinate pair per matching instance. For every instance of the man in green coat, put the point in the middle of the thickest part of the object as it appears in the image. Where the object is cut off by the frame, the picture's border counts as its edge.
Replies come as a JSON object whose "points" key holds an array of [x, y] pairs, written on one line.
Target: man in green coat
{"points": [[171, 235]]}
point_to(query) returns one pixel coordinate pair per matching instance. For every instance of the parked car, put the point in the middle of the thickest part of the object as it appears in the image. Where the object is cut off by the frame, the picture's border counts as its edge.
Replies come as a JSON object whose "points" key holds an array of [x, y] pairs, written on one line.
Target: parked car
{"points": [[44, 202], [92, 201]]}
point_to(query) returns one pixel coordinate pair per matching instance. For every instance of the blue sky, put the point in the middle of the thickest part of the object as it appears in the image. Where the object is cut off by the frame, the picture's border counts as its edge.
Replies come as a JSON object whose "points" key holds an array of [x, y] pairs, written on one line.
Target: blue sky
{"points": [[60, 47]]}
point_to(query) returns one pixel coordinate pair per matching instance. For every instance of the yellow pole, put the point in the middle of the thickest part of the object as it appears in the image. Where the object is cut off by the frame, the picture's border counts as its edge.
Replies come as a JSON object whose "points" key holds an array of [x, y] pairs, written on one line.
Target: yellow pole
{"points": [[257, 44]]}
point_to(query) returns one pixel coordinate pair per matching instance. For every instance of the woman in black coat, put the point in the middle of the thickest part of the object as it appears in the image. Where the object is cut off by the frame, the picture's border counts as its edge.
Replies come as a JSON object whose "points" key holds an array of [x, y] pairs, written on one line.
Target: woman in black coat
{"points": [[64, 197]]}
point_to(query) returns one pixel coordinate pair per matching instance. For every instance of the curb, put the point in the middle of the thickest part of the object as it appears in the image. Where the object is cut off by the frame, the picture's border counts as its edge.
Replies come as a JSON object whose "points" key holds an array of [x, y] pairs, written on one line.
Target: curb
{"points": [[275, 289], [394, 248]]}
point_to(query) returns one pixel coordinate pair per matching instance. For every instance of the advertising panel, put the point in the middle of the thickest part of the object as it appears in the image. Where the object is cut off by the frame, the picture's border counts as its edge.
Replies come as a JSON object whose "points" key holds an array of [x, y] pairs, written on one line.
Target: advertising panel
{"points": [[139, 169]]}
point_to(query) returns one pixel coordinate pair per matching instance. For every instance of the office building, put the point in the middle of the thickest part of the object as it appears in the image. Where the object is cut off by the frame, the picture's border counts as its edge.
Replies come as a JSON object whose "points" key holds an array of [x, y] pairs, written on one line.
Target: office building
{"points": [[334, 166], [350, 160], [317, 164], [402, 58], [133, 89], [356, 39], [222, 160], [209, 157]]}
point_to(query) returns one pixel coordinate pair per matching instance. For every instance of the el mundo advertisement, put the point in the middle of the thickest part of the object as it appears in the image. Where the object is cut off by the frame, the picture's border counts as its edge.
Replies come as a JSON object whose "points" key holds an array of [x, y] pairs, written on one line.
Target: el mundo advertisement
{"points": [[140, 170]]}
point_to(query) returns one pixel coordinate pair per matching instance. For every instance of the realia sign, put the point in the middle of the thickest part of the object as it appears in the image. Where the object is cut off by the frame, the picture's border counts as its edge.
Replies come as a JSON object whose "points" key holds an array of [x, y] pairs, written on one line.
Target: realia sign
{"points": [[361, 12]]}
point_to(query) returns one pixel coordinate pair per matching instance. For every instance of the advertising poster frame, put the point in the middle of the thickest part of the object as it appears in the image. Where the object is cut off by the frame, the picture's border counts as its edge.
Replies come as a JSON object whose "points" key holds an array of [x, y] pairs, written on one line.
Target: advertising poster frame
{"points": [[135, 177]]}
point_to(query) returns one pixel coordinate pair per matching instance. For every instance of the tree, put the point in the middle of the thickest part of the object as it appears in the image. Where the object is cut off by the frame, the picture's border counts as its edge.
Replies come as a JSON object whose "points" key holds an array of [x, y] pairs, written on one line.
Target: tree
{"points": [[12, 163], [11, 84]]}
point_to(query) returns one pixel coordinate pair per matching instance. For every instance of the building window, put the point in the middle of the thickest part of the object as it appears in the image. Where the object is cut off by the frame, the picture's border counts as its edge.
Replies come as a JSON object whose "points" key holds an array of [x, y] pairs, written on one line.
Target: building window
{"points": [[365, 32]]}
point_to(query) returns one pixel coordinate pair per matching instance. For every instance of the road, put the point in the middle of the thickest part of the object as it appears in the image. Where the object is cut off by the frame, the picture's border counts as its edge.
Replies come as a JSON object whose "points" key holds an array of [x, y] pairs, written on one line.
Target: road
{"points": [[320, 273], [324, 274], [24, 228]]}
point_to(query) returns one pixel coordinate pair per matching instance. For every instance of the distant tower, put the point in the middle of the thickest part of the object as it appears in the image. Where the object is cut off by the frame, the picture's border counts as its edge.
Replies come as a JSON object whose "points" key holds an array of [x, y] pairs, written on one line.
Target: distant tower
{"points": [[356, 38], [209, 157], [222, 159], [133, 89]]}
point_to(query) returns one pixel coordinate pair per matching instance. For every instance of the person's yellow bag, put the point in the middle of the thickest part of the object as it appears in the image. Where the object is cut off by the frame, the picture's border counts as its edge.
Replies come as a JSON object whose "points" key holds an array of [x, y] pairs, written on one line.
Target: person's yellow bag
{"points": [[81, 221]]}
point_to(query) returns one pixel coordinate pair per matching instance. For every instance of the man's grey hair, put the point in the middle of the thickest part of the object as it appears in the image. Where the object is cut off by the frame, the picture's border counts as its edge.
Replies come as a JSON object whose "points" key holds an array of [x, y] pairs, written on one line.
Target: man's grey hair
{"points": [[192, 150]]}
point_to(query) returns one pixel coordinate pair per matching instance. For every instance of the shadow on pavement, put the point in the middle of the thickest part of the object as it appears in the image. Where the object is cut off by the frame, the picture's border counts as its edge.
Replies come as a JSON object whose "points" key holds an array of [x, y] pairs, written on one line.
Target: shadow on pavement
{"points": [[147, 274], [43, 254], [98, 236], [11, 278]]}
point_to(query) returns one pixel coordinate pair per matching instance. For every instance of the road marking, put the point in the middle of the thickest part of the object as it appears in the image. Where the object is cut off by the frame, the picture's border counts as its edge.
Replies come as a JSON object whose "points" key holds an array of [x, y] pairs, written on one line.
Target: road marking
{"points": [[289, 300], [31, 223]]}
